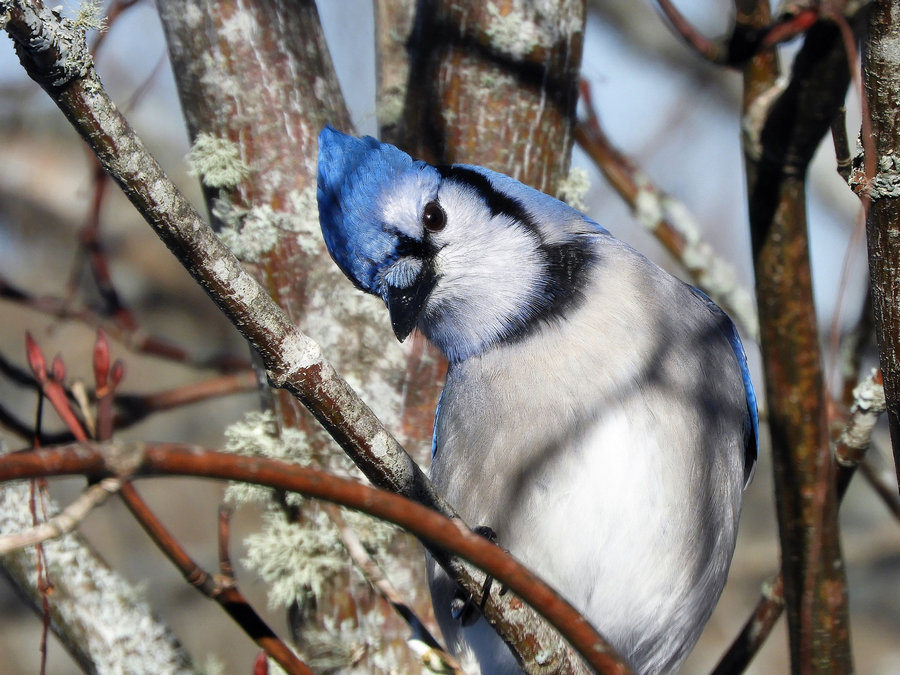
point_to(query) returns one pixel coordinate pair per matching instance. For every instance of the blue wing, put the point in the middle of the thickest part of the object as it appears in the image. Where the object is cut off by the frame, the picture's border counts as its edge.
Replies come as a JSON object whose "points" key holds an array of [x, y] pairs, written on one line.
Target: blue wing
{"points": [[751, 431]]}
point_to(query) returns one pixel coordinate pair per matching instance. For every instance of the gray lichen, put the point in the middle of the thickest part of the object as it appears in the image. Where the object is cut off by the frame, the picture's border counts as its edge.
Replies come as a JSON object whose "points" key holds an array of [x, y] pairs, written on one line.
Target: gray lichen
{"points": [[257, 436], [885, 183], [249, 233], [94, 610], [52, 48], [530, 25], [90, 16], [217, 162], [296, 559], [574, 187], [252, 233]]}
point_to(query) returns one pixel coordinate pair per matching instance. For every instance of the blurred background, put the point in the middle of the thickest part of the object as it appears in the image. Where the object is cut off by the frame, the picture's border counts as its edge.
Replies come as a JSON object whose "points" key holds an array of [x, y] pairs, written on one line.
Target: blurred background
{"points": [[674, 115]]}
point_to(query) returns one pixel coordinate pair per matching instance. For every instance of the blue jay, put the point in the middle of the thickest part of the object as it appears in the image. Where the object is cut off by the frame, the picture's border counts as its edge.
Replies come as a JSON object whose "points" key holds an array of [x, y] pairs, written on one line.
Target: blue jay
{"points": [[598, 414]]}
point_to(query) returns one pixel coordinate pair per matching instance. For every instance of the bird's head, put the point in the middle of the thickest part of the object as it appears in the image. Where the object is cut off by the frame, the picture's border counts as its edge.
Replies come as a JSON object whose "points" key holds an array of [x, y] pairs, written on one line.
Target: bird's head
{"points": [[468, 255]]}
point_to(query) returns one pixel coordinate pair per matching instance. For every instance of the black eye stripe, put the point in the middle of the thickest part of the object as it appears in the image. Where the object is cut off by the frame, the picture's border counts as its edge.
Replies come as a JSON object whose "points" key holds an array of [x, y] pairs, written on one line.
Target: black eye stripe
{"points": [[407, 246]]}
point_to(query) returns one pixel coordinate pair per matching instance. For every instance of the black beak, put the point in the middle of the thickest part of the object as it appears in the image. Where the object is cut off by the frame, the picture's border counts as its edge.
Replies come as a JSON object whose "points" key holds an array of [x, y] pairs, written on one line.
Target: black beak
{"points": [[406, 304]]}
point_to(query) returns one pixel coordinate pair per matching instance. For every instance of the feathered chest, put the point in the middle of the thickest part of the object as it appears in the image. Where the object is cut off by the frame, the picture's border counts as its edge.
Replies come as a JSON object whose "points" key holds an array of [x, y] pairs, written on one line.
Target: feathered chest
{"points": [[606, 392]]}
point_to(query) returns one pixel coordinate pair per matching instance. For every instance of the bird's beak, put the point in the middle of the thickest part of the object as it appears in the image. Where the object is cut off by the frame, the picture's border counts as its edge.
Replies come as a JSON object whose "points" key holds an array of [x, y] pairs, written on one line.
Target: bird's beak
{"points": [[406, 304]]}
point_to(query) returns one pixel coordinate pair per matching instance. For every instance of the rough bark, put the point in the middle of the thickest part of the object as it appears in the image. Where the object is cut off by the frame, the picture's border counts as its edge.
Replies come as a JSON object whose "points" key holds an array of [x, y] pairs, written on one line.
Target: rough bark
{"points": [[259, 75], [496, 84], [393, 28], [784, 128], [93, 611], [881, 77]]}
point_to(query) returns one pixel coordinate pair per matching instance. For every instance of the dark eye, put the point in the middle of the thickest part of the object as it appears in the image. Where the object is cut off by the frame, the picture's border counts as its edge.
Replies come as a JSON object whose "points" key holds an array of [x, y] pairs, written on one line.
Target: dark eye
{"points": [[433, 217]]}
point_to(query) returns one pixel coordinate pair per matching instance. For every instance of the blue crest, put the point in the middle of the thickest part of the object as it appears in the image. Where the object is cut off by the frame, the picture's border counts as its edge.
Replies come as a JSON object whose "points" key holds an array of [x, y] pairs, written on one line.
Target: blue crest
{"points": [[354, 178]]}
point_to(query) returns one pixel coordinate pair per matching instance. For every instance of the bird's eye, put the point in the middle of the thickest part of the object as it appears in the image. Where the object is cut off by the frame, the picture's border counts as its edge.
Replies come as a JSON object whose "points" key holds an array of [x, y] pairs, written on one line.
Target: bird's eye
{"points": [[433, 217]]}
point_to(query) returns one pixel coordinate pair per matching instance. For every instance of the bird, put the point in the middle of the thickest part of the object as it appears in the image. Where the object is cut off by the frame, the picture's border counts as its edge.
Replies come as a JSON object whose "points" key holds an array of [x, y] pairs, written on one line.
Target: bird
{"points": [[598, 416]]}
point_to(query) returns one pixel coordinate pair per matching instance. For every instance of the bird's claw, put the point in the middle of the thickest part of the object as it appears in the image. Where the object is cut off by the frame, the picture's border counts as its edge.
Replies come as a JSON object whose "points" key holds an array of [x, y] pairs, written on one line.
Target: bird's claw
{"points": [[462, 606]]}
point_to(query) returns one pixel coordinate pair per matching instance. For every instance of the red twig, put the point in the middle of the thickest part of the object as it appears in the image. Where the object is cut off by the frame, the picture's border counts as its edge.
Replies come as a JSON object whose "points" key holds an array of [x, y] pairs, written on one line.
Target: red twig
{"points": [[790, 26], [755, 631], [450, 535], [107, 380], [44, 584], [705, 47], [135, 407], [742, 44], [132, 408], [52, 387], [221, 589], [137, 341], [225, 567], [92, 250]]}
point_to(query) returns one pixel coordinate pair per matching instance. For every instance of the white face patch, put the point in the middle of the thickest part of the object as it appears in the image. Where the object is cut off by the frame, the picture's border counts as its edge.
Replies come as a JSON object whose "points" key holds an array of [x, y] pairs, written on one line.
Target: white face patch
{"points": [[489, 270], [404, 200]]}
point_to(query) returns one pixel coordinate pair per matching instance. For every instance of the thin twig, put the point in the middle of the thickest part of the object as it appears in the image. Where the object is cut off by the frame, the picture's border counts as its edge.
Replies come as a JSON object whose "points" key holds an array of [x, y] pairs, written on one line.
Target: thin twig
{"points": [[787, 127], [883, 488], [849, 454], [756, 630], [115, 10], [220, 589], [374, 575], [708, 49], [841, 143], [66, 520], [137, 340], [133, 408], [44, 583], [744, 42], [51, 384], [881, 143], [445, 534]]}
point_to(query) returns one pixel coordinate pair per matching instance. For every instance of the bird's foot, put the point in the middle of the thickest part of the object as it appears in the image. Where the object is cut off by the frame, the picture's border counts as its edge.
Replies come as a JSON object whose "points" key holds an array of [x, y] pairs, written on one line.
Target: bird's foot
{"points": [[463, 606]]}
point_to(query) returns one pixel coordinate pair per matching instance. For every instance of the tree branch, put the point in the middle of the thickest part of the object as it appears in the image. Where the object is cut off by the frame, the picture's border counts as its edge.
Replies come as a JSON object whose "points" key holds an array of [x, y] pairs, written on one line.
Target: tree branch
{"points": [[785, 126], [849, 454], [668, 220], [370, 569], [89, 625], [881, 77], [63, 522], [137, 460], [223, 590], [249, 100], [496, 86]]}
